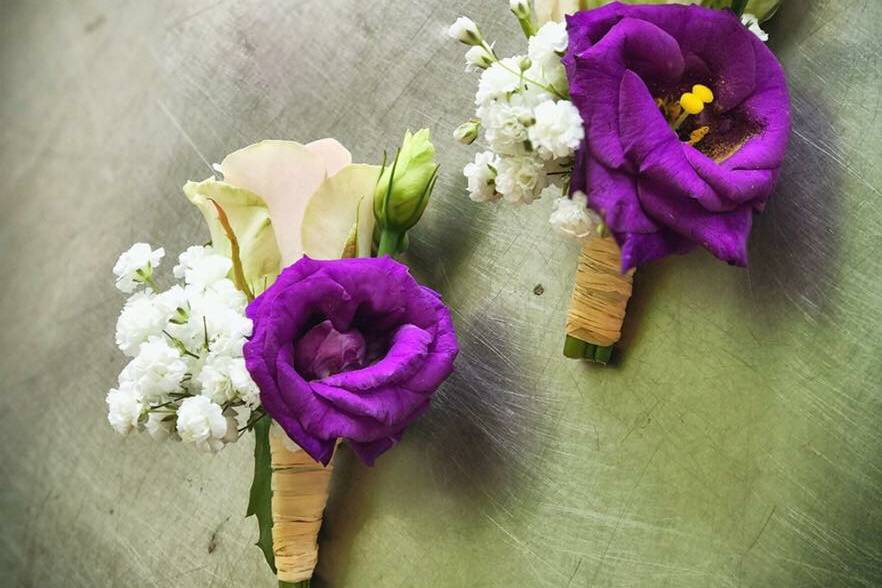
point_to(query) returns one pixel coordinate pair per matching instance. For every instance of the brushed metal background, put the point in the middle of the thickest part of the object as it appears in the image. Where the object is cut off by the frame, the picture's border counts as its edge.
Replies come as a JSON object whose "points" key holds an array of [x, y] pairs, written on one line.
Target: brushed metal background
{"points": [[737, 443]]}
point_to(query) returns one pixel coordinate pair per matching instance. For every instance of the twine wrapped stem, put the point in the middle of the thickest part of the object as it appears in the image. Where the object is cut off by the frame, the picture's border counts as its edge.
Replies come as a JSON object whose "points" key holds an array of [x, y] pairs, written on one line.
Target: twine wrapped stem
{"points": [[300, 492], [600, 299]]}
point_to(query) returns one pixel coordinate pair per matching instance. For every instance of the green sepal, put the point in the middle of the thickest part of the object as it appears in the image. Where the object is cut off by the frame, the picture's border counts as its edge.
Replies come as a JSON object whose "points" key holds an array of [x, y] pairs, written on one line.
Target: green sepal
{"points": [[260, 500]]}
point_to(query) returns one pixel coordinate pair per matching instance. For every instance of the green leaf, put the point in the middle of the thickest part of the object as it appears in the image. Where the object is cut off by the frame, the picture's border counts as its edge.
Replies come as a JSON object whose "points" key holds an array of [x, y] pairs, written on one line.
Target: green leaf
{"points": [[260, 501], [249, 220]]}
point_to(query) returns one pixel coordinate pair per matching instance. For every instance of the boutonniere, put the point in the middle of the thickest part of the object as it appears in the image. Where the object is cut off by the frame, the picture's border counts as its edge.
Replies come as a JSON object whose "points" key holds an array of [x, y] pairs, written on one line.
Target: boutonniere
{"points": [[656, 128], [295, 323]]}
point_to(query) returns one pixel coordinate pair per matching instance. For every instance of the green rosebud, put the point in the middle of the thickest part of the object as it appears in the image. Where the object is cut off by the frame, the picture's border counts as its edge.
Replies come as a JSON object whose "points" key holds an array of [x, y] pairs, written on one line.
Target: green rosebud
{"points": [[404, 188], [763, 10]]}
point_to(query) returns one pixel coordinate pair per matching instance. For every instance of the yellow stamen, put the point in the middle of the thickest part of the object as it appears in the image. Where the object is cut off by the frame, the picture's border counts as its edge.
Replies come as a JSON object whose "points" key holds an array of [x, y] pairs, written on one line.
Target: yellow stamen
{"points": [[691, 103], [703, 93], [698, 134]]}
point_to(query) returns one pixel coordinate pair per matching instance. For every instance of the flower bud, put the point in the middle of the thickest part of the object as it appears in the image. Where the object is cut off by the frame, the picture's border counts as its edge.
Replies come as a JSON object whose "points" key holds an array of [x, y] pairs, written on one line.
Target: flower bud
{"points": [[478, 58], [465, 31], [521, 8], [403, 190], [467, 132], [525, 63]]}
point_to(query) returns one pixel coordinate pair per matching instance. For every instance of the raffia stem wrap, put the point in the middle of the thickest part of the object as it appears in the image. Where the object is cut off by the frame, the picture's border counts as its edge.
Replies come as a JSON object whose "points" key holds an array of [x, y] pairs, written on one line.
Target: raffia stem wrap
{"points": [[300, 492], [601, 293]]}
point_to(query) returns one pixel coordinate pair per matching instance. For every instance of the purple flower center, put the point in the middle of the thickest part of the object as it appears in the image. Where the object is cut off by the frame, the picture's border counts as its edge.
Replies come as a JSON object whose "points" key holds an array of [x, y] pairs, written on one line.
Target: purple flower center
{"points": [[324, 351], [715, 132]]}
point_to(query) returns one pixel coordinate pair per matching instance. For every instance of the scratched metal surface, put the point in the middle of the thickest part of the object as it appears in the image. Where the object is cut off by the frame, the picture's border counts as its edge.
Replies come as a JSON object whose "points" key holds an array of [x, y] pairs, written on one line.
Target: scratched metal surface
{"points": [[736, 444]]}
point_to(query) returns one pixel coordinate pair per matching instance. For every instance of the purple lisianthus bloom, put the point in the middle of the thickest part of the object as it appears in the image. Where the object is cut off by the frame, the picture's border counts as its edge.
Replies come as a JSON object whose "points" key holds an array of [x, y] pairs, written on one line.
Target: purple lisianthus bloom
{"points": [[664, 186], [350, 348]]}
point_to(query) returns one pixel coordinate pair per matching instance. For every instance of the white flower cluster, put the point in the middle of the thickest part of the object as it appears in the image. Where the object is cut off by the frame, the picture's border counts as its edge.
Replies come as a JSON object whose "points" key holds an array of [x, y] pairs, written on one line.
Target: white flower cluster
{"points": [[187, 377], [530, 127]]}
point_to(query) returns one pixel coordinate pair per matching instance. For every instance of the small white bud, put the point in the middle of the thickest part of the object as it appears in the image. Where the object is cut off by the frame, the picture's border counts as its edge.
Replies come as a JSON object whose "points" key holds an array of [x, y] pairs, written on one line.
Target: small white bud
{"points": [[465, 31], [478, 58], [467, 132], [521, 8]]}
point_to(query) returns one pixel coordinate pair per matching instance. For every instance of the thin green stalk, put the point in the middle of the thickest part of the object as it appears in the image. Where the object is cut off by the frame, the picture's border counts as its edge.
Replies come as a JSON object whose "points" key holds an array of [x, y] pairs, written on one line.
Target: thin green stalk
{"points": [[738, 7], [603, 354], [390, 243], [550, 89], [574, 348]]}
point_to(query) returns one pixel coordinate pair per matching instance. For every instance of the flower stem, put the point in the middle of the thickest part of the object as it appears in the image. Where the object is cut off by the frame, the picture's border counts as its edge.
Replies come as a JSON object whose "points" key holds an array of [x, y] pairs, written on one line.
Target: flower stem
{"points": [[550, 89], [603, 354], [390, 243], [738, 7], [574, 348]]}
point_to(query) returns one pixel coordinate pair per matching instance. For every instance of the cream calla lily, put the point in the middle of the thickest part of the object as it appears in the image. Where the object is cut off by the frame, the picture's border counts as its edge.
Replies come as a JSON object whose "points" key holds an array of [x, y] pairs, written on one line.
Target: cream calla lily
{"points": [[556, 10], [250, 221], [335, 208], [286, 175]]}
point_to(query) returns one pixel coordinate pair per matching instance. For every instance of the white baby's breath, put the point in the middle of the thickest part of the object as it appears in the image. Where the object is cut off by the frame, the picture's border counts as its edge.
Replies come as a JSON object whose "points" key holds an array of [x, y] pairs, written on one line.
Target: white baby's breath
{"points": [[505, 125], [201, 421], [226, 379], [572, 217], [549, 43], [521, 179], [201, 266], [558, 130], [134, 268], [531, 130], [124, 407], [157, 370], [140, 319], [481, 174], [185, 342], [244, 385], [499, 80]]}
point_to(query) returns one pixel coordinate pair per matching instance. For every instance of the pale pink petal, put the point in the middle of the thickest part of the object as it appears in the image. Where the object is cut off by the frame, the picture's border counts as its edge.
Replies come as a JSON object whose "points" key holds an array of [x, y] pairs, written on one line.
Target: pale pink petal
{"points": [[285, 174], [335, 155]]}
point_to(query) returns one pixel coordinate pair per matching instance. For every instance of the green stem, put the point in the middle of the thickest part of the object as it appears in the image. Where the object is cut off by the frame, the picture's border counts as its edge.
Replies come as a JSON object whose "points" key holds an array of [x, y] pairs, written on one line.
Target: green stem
{"points": [[550, 89], [526, 26], [603, 354], [301, 584], [738, 7], [574, 348], [390, 243]]}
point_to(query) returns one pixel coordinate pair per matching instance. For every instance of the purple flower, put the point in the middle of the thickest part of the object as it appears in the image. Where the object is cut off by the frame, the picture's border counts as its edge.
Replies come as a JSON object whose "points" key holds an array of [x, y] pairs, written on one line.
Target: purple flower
{"points": [[350, 348], [661, 190]]}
